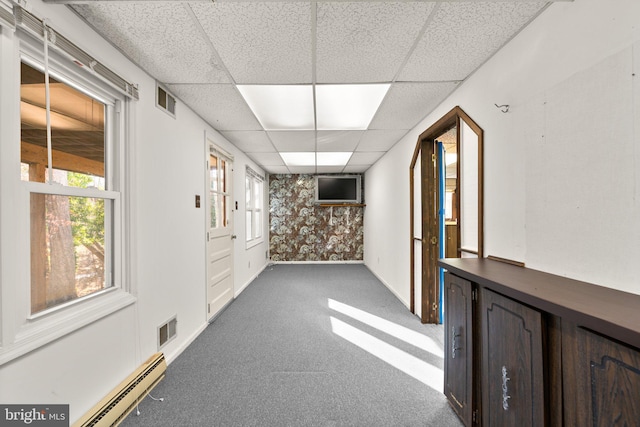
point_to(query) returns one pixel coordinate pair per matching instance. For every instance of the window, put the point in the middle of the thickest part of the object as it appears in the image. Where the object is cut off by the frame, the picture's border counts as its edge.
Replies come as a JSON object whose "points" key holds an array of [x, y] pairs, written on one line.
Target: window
{"points": [[63, 181], [254, 201], [71, 205], [70, 230], [219, 190]]}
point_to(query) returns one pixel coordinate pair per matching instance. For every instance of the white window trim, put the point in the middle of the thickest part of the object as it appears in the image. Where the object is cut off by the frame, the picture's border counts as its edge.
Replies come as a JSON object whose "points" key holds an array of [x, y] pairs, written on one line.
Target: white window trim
{"points": [[256, 179], [21, 332]]}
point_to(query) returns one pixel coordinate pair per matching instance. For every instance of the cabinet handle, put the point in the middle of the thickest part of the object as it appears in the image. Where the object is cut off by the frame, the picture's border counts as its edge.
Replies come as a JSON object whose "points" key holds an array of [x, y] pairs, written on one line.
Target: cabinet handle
{"points": [[453, 342], [505, 389]]}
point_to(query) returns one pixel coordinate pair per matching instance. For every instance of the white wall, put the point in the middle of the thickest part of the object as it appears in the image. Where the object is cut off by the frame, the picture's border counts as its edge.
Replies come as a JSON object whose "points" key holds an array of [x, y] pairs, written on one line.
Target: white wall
{"points": [[562, 189], [168, 247]]}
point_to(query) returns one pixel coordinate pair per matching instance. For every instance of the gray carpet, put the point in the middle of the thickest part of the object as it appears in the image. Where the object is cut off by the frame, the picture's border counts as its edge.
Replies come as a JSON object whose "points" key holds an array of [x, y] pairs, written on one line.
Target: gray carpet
{"points": [[282, 355]]}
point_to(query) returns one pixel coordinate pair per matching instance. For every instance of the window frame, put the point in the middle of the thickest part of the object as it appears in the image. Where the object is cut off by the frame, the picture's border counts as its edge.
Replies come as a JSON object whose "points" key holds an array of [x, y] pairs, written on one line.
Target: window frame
{"points": [[252, 181], [20, 330]]}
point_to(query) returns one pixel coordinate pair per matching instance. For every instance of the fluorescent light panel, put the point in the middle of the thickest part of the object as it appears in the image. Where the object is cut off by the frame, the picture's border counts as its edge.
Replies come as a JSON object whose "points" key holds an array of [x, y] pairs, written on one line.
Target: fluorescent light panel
{"points": [[316, 159], [291, 107], [348, 107], [281, 107], [338, 107], [299, 159], [333, 159]]}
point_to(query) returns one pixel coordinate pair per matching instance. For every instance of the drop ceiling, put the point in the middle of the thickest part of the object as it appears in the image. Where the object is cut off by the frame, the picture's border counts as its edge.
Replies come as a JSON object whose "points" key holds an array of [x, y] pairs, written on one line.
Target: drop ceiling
{"points": [[205, 52]]}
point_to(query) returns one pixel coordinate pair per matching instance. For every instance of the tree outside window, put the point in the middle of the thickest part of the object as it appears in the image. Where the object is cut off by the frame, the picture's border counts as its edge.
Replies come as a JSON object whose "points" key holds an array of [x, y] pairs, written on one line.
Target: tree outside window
{"points": [[70, 229]]}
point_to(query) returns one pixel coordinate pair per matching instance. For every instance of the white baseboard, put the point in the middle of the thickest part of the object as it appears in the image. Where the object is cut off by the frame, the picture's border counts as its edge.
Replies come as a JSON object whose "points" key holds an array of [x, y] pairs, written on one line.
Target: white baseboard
{"points": [[317, 262], [170, 357], [248, 282], [393, 291]]}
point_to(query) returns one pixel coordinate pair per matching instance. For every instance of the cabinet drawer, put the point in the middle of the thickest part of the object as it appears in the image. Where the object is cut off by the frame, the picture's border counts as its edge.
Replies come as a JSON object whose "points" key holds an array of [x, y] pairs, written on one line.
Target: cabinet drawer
{"points": [[512, 376]]}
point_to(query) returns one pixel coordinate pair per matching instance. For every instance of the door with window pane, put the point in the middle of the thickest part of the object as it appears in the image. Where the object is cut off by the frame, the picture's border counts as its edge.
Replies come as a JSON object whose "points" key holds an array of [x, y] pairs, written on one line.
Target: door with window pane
{"points": [[219, 231]]}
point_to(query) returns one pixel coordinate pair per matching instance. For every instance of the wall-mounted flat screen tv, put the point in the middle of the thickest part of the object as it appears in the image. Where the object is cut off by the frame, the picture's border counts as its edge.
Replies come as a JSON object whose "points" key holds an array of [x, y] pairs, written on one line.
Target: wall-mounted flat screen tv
{"points": [[338, 189]]}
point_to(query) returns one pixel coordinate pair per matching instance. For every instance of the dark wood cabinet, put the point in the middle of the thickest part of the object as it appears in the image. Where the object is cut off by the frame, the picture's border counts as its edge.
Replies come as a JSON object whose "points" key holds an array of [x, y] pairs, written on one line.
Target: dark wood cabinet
{"points": [[527, 348], [603, 380], [458, 361], [512, 367]]}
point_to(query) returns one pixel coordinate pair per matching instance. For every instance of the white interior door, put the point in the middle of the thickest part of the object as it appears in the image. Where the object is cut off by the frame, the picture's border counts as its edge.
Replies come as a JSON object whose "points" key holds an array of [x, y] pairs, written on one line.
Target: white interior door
{"points": [[219, 231]]}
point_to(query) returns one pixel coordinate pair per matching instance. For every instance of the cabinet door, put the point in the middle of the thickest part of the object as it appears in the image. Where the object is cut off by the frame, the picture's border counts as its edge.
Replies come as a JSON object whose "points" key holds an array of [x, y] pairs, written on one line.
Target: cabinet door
{"points": [[601, 380], [458, 354], [512, 362]]}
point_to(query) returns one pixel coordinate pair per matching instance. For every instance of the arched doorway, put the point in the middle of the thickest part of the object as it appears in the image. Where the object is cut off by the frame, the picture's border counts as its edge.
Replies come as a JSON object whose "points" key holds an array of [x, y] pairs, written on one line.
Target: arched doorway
{"points": [[446, 197]]}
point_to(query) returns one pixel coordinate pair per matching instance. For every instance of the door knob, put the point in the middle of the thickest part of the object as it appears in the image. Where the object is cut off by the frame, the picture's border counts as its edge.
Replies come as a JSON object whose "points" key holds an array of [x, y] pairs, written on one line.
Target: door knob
{"points": [[233, 237]]}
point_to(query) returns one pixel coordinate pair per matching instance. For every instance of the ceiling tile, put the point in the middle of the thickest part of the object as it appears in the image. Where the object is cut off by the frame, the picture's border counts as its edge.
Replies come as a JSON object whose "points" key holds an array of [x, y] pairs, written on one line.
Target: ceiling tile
{"points": [[250, 141], [365, 158], [158, 36], [220, 105], [356, 168], [338, 140], [408, 103], [380, 140], [302, 169], [330, 169], [267, 159], [293, 140], [463, 35], [365, 41], [273, 43], [260, 42], [277, 170]]}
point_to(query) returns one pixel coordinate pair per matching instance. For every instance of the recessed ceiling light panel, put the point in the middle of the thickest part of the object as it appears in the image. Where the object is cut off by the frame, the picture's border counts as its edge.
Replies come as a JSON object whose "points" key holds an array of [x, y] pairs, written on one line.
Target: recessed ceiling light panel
{"points": [[348, 107], [299, 159], [313, 159], [333, 159], [281, 107]]}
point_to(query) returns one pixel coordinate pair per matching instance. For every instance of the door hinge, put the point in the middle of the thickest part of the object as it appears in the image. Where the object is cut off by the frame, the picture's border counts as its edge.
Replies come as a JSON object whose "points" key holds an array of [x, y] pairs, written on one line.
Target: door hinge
{"points": [[474, 416], [474, 295], [208, 308], [433, 158]]}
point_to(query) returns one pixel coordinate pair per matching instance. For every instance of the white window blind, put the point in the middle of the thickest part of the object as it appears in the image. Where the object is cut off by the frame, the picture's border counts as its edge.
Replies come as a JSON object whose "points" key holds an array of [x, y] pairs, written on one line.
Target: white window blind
{"points": [[35, 26]]}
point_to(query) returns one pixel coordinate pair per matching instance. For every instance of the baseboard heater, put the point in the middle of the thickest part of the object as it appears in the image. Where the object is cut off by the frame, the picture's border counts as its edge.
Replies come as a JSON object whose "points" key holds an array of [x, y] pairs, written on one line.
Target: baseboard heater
{"points": [[111, 410]]}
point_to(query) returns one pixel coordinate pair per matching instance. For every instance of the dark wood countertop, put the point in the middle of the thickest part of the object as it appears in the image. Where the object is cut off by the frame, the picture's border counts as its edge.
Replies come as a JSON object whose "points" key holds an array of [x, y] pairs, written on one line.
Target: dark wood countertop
{"points": [[608, 311]]}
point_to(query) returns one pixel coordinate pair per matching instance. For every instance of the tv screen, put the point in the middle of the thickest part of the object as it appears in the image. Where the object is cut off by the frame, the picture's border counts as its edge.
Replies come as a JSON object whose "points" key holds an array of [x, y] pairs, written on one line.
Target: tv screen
{"points": [[338, 188]]}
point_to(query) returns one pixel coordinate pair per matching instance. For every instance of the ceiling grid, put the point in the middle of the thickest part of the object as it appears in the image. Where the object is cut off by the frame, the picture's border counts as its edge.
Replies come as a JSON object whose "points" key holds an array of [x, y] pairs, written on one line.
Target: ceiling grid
{"points": [[205, 52]]}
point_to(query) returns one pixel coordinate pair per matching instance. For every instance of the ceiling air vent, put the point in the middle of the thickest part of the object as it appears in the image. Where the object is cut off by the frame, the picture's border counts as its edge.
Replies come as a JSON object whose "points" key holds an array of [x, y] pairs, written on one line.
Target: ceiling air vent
{"points": [[167, 331], [165, 101]]}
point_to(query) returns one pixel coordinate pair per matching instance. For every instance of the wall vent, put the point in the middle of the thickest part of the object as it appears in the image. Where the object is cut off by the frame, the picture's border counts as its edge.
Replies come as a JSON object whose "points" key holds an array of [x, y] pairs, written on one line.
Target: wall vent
{"points": [[165, 101], [167, 331]]}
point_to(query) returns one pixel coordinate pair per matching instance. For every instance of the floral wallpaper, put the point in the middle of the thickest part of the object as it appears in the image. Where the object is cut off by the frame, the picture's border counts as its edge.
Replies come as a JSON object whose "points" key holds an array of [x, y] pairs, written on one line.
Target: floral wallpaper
{"points": [[301, 230]]}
